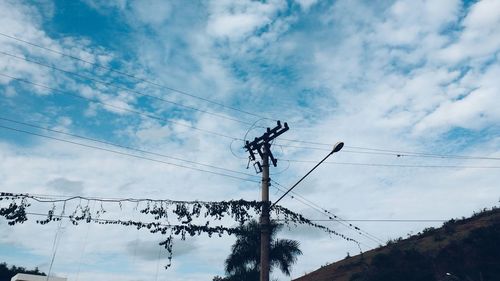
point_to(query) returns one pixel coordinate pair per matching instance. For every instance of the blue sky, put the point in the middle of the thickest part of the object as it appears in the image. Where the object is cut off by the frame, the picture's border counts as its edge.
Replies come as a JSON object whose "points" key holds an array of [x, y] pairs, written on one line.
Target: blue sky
{"points": [[414, 76]]}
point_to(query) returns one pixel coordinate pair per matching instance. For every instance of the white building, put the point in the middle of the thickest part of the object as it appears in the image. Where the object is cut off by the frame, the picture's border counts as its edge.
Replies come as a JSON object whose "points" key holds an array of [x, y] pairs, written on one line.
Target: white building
{"points": [[31, 277]]}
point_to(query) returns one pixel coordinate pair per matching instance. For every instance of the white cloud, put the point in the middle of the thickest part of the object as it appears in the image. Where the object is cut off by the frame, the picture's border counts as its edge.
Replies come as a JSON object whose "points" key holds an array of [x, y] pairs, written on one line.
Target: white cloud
{"points": [[151, 11], [390, 76], [236, 25], [237, 20], [479, 38], [306, 4], [476, 110]]}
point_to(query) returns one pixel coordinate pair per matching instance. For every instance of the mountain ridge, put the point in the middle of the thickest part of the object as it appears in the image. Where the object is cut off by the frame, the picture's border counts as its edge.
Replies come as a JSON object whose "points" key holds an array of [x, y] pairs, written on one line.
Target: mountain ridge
{"points": [[462, 249]]}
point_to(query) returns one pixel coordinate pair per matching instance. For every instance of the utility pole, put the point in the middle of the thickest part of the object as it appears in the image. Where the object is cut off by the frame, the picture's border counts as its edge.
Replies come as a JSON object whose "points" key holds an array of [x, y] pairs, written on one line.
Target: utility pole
{"points": [[262, 146], [265, 220]]}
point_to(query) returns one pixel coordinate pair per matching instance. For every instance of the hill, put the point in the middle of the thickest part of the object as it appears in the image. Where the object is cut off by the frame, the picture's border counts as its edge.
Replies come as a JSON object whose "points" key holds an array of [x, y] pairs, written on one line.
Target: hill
{"points": [[467, 249]]}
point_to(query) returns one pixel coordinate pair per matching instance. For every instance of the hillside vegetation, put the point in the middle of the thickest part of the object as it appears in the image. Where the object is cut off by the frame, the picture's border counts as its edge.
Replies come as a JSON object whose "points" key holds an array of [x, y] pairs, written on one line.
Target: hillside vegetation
{"points": [[466, 249], [6, 272]]}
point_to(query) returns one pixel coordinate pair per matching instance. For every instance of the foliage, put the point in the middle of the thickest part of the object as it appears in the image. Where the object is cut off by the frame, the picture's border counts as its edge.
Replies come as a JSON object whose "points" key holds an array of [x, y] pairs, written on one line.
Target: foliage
{"points": [[408, 265], [474, 257], [187, 214], [6, 272], [244, 261], [244, 275]]}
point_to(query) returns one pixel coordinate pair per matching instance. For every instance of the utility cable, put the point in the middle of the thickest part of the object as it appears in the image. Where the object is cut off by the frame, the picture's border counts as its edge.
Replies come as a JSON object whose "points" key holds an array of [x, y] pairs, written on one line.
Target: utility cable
{"points": [[331, 216], [124, 146], [384, 220], [140, 113], [127, 154], [55, 244], [91, 219], [389, 153], [229, 107], [380, 151], [327, 213], [372, 164], [62, 198], [85, 242], [98, 219], [134, 77], [158, 262], [395, 165], [110, 84]]}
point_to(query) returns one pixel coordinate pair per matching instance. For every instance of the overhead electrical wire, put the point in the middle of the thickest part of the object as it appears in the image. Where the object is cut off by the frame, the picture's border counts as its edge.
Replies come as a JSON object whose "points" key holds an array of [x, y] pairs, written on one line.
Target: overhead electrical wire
{"points": [[317, 220], [55, 245], [380, 151], [133, 76], [91, 219], [383, 151], [53, 198], [370, 150], [385, 220], [97, 65], [373, 164], [327, 213], [143, 114], [123, 146], [111, 84], [395, 165], [397, 154], [126, 154], [65, 199]]}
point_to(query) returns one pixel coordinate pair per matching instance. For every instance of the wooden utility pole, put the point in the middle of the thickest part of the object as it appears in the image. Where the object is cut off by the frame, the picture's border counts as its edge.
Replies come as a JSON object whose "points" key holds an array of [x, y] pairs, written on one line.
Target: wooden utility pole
{"points": [[265, 220], [262, 146]]}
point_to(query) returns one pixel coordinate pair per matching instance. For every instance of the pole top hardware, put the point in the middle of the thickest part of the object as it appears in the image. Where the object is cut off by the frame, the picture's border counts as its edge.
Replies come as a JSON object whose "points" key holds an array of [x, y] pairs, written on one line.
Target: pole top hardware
{"points": [[262, 146]]}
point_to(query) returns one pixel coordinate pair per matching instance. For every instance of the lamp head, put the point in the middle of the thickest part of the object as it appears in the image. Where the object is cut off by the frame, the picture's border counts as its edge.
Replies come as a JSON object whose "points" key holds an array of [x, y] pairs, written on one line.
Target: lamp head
{"points": [[337, 147]]}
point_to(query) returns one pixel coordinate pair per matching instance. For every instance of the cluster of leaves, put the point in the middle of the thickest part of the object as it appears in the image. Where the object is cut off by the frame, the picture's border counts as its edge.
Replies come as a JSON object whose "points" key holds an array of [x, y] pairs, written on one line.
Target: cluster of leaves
{"points": [[6, 272], [15, 212], [243, 263], [292, 217], [183, 212]]}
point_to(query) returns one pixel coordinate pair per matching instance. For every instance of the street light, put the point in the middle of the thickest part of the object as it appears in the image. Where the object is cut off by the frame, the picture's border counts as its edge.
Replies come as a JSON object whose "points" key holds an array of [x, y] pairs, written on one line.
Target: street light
{"points": [[336, 148], [452, 276]]}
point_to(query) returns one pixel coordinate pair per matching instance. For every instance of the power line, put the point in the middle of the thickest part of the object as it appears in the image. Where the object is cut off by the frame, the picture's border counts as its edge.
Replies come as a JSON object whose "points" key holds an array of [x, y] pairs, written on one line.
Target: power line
{"points": [[94, 219], [62, 198], [380, 151], [124, 146], [135, 77], [147, 115], [395, 152], [386, 220], [110, 84], [327, 213], [127, 154], [86, 211], [53, 198], [396, 165]]}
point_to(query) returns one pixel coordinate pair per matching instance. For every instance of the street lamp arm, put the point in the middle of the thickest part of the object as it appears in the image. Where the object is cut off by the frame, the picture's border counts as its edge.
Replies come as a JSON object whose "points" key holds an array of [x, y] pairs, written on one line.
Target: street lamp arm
{"points": [[338, 146]]}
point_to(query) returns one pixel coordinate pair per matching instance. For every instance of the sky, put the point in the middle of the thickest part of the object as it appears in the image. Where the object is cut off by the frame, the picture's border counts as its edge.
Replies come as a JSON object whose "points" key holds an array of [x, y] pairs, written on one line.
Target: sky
{"points": [[407, 86]]}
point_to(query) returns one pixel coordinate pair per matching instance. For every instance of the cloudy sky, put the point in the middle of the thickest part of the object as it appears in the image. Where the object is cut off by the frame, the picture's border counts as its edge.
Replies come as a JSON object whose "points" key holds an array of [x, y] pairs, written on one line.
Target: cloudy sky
{"points": [[411, 87]]}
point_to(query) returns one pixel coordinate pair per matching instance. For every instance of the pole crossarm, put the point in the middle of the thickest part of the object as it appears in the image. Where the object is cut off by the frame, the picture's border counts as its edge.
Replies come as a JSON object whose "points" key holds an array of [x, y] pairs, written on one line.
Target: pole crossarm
{"points": [[262, 146]]}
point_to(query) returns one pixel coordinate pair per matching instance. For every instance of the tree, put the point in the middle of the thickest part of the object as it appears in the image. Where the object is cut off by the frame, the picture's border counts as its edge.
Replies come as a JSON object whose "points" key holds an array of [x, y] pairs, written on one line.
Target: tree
{"points": [[244, 261], [6, 272]]}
